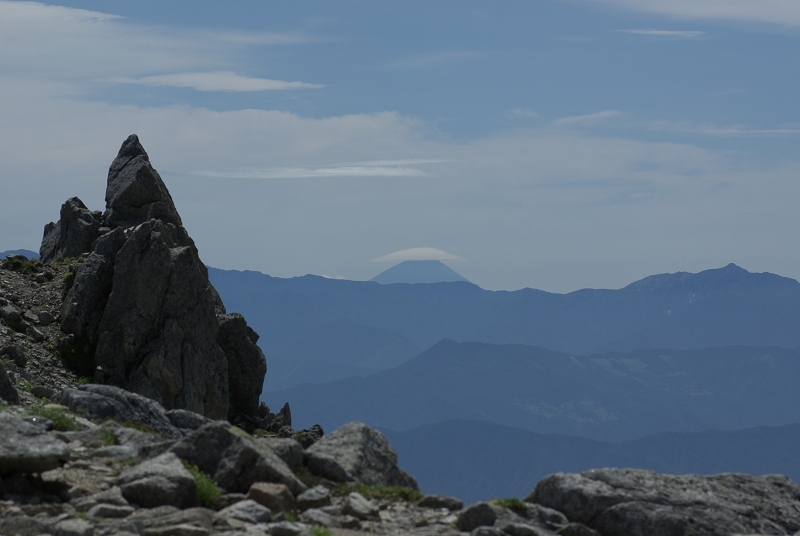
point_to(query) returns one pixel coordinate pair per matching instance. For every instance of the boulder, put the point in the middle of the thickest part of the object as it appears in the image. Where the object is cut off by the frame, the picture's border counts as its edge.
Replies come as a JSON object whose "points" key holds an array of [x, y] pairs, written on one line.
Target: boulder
{"points": [[315, 497], [100, 402], [357, 453], [358, 506], [8, 393], [162, 480], [73, 235], [287, 449], [441, 501], [277, 497], [633, 501], [246, 365], [234, 459], [26, 447], [480, 514], [242, 514]]}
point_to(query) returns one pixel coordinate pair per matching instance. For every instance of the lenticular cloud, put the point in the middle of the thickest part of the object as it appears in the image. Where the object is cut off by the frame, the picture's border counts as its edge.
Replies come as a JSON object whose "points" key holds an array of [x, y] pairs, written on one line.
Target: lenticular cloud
{"points": [[418, 254]]}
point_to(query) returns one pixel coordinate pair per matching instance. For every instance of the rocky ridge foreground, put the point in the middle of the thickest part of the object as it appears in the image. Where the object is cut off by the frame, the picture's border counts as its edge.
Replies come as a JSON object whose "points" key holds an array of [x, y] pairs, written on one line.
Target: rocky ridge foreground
{"points": [[96, 459]]}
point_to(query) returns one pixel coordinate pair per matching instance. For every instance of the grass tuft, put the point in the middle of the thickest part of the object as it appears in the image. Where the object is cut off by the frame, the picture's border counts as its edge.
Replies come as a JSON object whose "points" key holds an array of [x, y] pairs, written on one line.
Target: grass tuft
{"points": [[512, 503], [392, 493], [207, 490], [319, 530], [62, 419]]}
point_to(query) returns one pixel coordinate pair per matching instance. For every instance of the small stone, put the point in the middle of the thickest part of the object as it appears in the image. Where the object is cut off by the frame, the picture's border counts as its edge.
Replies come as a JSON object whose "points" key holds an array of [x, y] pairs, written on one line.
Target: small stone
{"points": [[349, 522], [35, 334], [110, 510], [315, 516], [285, 528], [183, 529], [487, 531], [73, 527], [314, 498], [273, 496], [356, 505], [441, 501], [45, 318], [227, 499], [248, 511]]}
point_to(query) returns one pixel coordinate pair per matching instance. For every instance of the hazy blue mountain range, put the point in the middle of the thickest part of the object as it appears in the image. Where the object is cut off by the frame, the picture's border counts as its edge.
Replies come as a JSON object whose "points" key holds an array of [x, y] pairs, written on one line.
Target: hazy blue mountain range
{"points": [[476, 460], [418, 272], [612, 396], [315, 329], [28, 253]]}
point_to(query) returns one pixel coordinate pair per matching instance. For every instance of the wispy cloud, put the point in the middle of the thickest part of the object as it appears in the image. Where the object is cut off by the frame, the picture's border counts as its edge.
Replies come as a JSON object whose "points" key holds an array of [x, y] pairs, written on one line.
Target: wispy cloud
{"points": [[713, 130], [587, 120], [418, 254], [215, 81], [680, 34], [782, 12], [434, 59], [526, 113], [376, 168]]}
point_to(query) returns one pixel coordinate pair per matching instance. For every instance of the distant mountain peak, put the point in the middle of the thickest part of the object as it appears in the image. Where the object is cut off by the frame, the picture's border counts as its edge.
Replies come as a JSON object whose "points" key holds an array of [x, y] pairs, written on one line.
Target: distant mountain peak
{"points": [[726, 276], [419, 272]]}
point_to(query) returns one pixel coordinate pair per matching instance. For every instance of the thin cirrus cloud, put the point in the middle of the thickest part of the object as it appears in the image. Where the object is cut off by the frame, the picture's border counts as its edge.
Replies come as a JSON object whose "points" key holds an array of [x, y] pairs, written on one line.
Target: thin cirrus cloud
{"points": [[215, 81], [782, 12], [376, 168], [713, 130], [678, 34], [434, 59], [418, 254], [587, 120]]}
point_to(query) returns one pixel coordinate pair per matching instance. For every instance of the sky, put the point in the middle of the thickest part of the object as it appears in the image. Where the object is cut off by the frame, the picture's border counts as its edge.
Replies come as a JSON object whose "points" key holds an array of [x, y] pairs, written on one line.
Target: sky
{"points": [[551, 144]]}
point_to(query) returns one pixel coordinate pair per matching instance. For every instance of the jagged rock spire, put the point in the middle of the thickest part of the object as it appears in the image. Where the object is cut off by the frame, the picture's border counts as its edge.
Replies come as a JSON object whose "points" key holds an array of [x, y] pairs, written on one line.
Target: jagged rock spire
{"points": [[135, 192]]}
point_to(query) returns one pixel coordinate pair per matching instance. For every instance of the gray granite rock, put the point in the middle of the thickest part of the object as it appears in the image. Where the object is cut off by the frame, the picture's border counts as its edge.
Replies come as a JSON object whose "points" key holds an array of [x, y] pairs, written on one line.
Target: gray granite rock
{"points": [[632, 501], [480, 514], [287, 449], [441, 501], [315, 497], [160, 481], [234, 459], [26, 447], [246, 365], [247, 511], [8, 393], [99, 402], [357, 453], [73, 235], [358, 506]]}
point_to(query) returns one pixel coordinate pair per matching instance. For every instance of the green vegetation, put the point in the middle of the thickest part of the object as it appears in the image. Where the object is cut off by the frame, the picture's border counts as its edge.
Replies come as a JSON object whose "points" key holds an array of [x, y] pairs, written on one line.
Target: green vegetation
{"points": [[290, 516], [512, 503], [319, 530], [260, 432], [25, 385], [62, 419], [392, 493], [84, 380], [109, 438], [68, 276], [207, 490], [22, 266]]}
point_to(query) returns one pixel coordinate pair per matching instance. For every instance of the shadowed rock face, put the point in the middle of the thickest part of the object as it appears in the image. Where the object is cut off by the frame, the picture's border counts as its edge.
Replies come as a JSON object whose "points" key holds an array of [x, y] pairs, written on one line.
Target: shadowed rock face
{"points": [[141, 312]]}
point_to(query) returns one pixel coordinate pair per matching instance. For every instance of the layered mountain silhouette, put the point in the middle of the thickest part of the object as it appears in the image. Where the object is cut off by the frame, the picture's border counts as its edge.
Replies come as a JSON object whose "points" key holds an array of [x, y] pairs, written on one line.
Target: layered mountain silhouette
{"points": [[418, 272], [613, 396], [315, 329], [478, 460]]}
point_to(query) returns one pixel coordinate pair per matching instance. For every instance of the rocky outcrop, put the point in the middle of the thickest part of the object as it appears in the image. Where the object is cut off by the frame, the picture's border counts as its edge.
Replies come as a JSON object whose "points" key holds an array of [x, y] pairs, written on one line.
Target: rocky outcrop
{"points": [[631, 501], [141, 312], [357, 453], [73, 234]]}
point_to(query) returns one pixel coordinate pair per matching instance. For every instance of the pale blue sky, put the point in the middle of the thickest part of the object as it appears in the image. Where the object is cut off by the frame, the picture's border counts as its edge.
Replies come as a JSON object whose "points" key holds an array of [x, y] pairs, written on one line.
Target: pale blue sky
{"points": [[554, 144]]}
